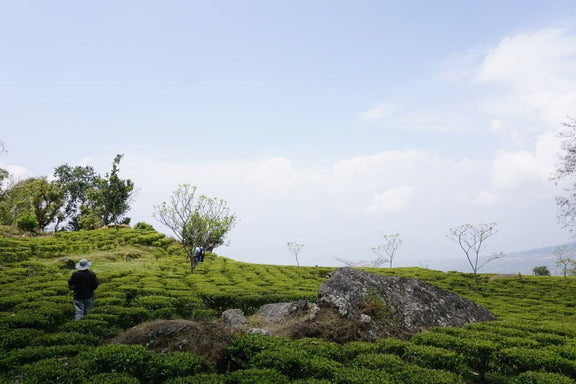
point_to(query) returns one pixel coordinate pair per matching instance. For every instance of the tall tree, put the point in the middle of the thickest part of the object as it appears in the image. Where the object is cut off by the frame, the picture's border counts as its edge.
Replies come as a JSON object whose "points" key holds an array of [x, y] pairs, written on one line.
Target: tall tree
{"points": [[196, 222], [112, 196], [472, 239], [76, 182], [566, 170]]}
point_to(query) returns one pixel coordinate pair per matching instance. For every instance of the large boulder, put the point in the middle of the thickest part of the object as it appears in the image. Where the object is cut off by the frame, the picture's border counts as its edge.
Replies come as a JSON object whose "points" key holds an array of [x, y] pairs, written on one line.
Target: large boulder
{"points": [[394, 306]]}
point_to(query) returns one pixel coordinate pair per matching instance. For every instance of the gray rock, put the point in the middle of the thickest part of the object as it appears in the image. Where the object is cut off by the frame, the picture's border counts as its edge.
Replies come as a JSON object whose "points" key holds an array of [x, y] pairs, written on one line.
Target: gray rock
{"points": [[234, 318], [277, 312], [397, 306]]}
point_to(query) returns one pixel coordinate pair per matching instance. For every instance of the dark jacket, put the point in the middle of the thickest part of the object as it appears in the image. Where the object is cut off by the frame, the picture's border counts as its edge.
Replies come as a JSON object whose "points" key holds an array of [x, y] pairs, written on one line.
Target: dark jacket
{"points": [[83, 283]]}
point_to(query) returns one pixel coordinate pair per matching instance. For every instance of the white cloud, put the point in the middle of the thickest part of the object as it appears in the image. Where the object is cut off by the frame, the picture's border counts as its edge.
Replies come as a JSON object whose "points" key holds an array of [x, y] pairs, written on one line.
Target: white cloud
{"points": [[487, 198], [392, 200], [17, 172], [533, 75], [274, 176], [379, 111], [530, 62]]}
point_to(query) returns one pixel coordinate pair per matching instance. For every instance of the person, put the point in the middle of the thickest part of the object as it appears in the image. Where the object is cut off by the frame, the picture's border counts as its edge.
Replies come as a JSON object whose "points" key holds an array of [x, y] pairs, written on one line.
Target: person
{"points": [[199, 254], [84, 282]]}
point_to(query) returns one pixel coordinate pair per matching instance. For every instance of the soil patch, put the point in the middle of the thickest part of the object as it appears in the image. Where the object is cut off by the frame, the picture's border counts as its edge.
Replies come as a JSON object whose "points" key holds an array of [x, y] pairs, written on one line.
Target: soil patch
{"points": [[207, 339]]}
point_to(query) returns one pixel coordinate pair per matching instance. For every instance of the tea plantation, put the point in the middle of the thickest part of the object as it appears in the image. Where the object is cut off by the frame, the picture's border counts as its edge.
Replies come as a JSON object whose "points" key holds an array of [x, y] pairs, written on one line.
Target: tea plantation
{"points": [[144, 276]]}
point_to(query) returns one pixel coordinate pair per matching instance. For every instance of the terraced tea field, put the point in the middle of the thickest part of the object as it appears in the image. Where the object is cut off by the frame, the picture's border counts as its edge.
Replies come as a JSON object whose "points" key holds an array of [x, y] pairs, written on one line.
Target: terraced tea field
{"points": [[144, 276]]}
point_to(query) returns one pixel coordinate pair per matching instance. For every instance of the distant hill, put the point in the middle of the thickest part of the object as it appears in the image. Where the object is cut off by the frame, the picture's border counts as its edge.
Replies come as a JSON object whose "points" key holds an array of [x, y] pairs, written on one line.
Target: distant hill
{"points": [[516, 262]]}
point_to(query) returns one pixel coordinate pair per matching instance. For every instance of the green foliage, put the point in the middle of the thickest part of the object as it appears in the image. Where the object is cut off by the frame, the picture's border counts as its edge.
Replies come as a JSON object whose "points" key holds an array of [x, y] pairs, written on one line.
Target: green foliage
{"points": [[541, 378], [541, 271], [18, 338], [256, 376], [143, 226], [196, 221], [27, 222], [137, 361]]}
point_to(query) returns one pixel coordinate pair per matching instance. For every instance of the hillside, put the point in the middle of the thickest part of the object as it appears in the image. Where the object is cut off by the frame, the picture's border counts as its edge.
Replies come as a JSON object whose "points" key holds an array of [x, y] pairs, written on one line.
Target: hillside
{"points": [[144, 277], [514, 262]]}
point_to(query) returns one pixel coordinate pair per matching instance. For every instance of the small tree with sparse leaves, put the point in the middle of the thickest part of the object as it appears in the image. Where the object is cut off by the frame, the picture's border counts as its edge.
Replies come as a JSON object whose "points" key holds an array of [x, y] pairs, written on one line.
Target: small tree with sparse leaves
{"points": [[472, 240], [295, 249]]}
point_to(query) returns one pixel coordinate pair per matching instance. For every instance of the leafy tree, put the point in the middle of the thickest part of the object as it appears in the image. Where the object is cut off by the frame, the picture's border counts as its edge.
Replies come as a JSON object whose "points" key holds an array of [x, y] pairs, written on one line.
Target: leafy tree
{"points": [[91, 200], [567, 170], [209, 224], [565, 258], [195, 221], [34, 196], [472, 239], [295, 249], [541, 271], [76, 182], [112, 196]]}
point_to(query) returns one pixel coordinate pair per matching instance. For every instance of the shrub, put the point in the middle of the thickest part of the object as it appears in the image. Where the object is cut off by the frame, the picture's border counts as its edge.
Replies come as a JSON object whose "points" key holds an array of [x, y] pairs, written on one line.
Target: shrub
{"points": [[27, 222], [143, 226], [126, 317], [172, 364], [541, 378], [256, 376], [296, 364], [359, 375], [205, 378], [61, 370], [432, 357], [112, 378], [99, 328], [518, 360], [66, 338], [417, 375], [379, 361], [154, 302], [18, 338], [127, 359], [244, 347], [145, 365], [17, 357]]}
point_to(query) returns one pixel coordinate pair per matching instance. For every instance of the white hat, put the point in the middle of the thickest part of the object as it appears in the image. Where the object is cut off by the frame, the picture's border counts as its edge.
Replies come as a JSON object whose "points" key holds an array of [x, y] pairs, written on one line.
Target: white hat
{"points": [[83, 265]]}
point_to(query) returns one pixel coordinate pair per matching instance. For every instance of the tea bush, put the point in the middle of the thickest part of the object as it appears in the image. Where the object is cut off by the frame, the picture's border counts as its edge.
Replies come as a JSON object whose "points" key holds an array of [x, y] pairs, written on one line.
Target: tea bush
{"points": [[541, 378]]}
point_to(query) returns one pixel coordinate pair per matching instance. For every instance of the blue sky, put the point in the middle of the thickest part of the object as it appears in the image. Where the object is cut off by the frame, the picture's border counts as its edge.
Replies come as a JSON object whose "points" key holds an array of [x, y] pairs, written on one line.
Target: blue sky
{"points": [[327, 123]]}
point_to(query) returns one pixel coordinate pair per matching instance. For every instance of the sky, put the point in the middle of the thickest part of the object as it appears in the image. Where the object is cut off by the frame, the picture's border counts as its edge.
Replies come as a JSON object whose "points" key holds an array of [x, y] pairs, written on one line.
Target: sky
{"points": [[325, 123]]}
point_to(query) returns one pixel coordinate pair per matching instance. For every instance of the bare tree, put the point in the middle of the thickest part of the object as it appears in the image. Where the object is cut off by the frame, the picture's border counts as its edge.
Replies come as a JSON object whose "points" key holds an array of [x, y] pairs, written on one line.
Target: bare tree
{"points": [[472, 240], [566, 258], [387, 252], [566, 171], [295, 249]]}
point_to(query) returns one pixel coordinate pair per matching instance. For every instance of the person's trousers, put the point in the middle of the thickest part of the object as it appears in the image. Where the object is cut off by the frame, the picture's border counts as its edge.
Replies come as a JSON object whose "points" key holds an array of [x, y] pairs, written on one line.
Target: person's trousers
{"points": [[82, 307]]}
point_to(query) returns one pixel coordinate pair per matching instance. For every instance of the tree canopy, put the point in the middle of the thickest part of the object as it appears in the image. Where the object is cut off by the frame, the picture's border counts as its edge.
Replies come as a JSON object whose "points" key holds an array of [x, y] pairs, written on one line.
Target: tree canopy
{"points": [[196, 221], [77, 197]]}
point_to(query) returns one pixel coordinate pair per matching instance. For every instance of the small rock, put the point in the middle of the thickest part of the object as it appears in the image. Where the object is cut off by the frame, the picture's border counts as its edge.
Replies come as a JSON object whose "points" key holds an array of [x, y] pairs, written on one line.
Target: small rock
{"points": [[234, 318]]}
